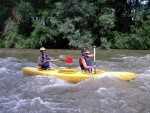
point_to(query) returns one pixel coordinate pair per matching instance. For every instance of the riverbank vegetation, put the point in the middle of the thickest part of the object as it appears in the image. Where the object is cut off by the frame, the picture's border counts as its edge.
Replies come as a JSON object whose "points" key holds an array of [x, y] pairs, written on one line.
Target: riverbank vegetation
{"points": [[121, 24]]}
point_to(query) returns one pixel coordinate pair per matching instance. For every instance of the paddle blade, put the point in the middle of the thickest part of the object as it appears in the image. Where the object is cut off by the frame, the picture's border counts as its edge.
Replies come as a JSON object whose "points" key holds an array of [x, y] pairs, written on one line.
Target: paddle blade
{"points": [[69, 60]]}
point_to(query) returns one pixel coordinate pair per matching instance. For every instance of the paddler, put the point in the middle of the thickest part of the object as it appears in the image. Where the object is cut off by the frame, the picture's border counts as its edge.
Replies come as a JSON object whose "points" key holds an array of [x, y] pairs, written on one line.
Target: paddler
{"points": [[85, 61], [44, 61]]}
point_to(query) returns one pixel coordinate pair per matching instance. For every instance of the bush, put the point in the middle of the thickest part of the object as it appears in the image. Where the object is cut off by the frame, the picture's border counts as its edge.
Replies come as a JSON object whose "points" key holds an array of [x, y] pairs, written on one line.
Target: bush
{"points": [[80, 40], [131, 41], [2, 44], [105, 44]]}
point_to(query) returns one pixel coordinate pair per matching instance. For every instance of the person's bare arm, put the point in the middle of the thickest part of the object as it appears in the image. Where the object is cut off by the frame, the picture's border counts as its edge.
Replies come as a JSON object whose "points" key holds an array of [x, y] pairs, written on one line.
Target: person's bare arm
{"points": [[85, 65], [42, 63], [91, 55]]}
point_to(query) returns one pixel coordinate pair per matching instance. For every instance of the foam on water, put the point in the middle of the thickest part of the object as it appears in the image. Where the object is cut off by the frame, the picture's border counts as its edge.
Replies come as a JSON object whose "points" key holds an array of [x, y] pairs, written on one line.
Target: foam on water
{"points": [[21, 93]]}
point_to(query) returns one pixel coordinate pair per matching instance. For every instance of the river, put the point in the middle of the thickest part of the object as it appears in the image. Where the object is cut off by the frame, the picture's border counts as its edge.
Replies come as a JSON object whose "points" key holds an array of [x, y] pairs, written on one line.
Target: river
{"points": [[20, 93]]}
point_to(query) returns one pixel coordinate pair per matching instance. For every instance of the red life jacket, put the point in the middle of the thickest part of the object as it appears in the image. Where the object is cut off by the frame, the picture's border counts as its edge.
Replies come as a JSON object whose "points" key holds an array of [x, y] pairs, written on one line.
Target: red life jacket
{"points": [[81, 65], [88, 63]]}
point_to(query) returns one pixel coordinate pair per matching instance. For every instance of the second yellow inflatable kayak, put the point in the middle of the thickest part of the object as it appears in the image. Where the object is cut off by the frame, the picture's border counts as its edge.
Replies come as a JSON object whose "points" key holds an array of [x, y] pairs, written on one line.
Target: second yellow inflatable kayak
{"points": [[74, 76]]}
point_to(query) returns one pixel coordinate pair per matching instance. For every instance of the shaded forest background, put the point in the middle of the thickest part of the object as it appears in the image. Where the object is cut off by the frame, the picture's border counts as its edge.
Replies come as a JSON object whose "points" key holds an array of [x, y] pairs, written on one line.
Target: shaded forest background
{"points": [[119, 24]]}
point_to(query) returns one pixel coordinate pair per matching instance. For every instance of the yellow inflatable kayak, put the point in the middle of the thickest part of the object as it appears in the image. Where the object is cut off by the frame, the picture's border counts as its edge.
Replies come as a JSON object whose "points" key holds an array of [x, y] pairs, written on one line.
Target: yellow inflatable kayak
{"points": [[74, 76]]}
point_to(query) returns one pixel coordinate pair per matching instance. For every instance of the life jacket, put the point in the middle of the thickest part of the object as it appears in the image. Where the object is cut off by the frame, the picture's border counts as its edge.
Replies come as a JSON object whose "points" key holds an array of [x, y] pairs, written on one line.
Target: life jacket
{"points": [[81, 65], [47, 64], [88, 62]]}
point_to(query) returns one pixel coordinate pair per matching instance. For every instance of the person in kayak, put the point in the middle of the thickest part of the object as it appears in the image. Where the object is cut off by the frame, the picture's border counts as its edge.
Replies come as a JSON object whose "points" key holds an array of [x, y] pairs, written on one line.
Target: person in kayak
{"points": [[85, 61], [44, 61]]}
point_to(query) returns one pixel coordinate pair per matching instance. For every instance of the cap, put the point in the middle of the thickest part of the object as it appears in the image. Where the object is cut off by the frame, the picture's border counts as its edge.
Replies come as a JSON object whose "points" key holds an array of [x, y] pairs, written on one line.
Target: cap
{"points": [[42, 49], [85, 52]]}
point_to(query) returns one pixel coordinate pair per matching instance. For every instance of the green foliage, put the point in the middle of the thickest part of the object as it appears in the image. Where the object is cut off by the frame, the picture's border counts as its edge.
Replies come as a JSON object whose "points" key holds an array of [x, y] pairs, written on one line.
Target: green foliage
{"points": [[138, 39], [119, 41], [5, 12], [105, 43], [135, 42], [26, 10], [80, 40], [42, 34], [11, 36], [78, 23], [67, 27], [143, 33], [2, 44], [106, 22]]}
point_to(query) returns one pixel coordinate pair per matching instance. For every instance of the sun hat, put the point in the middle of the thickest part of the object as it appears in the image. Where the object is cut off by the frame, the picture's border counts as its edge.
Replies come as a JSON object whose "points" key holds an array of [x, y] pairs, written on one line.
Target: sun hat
{"points": [[42, 49]]}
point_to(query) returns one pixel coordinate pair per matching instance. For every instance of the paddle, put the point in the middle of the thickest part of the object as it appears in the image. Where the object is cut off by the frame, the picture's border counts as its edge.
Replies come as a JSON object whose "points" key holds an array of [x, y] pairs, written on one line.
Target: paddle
{"points": [[67, 60], [94, 59]]}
